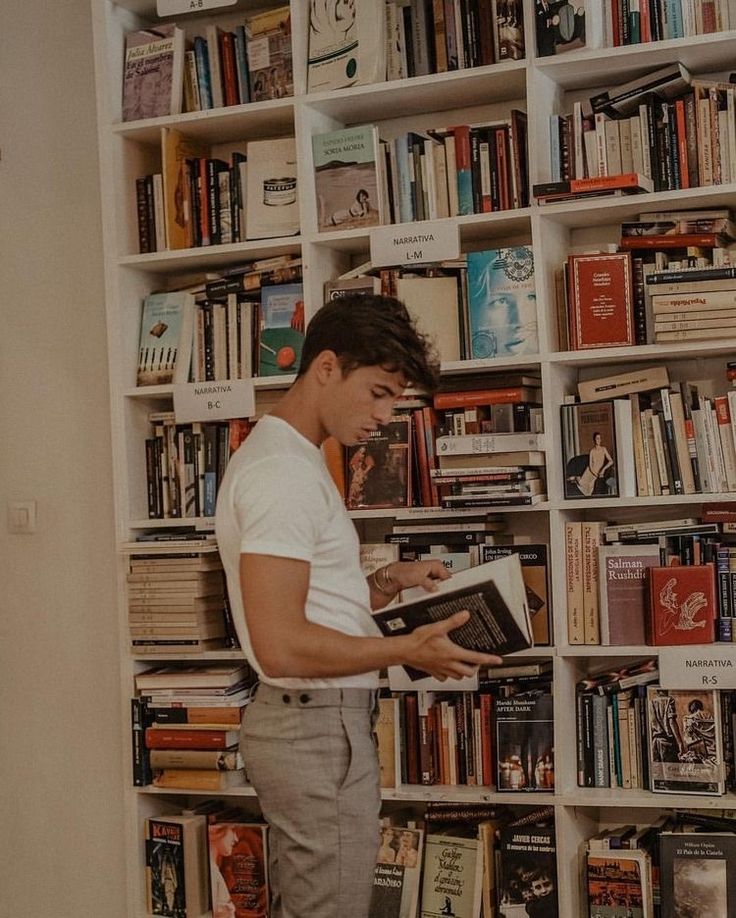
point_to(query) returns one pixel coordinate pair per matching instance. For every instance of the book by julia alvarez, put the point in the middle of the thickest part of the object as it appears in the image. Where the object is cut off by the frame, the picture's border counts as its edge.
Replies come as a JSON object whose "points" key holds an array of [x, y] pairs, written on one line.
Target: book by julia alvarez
{"points": [[176, 866], [378, 469], [683, 606], [153, 74], [685, 742], [697, 873]]}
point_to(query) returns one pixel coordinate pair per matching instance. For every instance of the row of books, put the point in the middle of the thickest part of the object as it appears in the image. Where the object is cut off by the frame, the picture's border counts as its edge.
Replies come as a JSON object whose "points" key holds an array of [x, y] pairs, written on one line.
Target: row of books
{"points": [[667, 582], [185, 464], [167, 71], [663, 740], [201, 200], [632, 22]]}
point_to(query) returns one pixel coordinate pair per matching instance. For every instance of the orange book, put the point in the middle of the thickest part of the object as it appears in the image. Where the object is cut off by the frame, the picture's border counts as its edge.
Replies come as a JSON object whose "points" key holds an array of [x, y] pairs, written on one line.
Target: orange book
{"points": [[471, 397], [334, 454]]}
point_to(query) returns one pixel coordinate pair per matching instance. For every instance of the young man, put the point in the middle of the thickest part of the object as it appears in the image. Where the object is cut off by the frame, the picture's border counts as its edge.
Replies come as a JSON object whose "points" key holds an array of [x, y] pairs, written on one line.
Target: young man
{"points": [[301, 607]]}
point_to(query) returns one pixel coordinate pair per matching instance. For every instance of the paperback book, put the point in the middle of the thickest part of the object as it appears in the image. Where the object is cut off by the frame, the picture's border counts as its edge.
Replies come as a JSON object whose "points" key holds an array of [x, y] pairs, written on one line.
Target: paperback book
{"points": [[619, 884], [378, 469], [272, 202], [346, 44], [589, 454], [165, 345], [495, 595], [525, 742], [176, 866], [346, 178], [238, 853], [453, 877], [397, 872], [153, 72], [281, 335], [697, 874], [502, 303], [527, 881]]}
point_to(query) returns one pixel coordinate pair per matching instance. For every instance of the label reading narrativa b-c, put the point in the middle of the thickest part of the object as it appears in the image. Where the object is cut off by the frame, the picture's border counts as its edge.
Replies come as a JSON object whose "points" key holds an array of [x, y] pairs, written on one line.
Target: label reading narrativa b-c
{"points": [[214, 401]]}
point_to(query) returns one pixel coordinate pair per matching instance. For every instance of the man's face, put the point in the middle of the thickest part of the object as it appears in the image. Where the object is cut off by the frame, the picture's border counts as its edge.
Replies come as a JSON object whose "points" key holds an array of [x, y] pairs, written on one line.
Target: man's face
{"points": [[358, 402]]}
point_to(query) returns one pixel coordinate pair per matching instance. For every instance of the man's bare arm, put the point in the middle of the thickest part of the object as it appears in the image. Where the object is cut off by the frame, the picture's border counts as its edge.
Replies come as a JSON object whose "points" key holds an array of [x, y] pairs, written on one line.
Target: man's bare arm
{"points": [[287, 645]]}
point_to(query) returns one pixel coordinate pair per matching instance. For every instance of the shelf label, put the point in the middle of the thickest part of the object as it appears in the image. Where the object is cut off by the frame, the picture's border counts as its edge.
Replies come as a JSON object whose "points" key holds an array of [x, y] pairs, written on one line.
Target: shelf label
{"points": [[178, 7], [214, 401], [701, 666], [414, 243]]}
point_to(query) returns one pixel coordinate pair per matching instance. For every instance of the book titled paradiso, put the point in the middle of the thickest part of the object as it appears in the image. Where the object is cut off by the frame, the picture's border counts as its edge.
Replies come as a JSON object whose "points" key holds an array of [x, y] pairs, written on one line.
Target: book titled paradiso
{"points": [[493, 593]]}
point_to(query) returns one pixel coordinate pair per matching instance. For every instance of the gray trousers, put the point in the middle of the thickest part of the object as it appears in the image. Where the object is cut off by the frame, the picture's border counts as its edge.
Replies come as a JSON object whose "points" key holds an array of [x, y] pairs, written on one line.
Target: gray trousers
{"points": [[311, 757]]}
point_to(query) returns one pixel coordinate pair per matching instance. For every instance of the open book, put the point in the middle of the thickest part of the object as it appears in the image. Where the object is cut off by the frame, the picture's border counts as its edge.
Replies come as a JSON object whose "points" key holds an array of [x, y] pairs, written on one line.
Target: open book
{"points": [[493, 593]]}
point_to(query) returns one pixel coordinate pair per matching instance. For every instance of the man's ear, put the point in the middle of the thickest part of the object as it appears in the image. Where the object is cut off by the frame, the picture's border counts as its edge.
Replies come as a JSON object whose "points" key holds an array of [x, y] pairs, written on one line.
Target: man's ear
{"points": [[326, 365]]}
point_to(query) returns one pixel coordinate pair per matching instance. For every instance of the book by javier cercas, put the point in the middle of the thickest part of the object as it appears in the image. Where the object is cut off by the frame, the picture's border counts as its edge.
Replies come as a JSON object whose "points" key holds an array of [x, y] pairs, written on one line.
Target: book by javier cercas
{"points": [[495, 595]]}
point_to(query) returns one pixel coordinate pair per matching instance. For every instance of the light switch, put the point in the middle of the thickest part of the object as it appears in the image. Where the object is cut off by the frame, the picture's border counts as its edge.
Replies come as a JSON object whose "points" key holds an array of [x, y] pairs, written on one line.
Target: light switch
{"points": [[21, 516]]}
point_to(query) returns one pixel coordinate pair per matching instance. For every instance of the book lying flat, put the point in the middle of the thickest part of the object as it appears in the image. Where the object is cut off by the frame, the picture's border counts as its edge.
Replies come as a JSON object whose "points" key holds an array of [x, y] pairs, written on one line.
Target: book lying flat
{"points": [[493, 593]]}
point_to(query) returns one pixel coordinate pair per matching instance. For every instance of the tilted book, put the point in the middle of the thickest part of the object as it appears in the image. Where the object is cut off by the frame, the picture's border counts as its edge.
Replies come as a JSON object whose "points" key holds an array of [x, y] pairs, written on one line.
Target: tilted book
{"points": [[346, 178], [683, 605], [153, 75], [502, 303], [176, 866], [165, 344], [281, 335], [495, 595]]}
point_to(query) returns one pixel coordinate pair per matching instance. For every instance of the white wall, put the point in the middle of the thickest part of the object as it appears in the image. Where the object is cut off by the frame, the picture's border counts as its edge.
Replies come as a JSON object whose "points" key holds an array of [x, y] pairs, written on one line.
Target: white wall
{"points": [[61, 834]]}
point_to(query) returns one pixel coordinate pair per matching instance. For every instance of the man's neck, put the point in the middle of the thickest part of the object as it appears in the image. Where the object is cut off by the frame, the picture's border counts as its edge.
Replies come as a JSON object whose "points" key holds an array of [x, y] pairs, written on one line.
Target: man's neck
{"points": [[299, 410]]}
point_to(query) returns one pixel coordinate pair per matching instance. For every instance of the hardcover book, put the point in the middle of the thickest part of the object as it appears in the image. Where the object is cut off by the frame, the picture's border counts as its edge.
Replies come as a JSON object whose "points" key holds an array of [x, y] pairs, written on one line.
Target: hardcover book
{"points": [[268, 52], [685, 742], [346, 44], [176, 866], [697, 874], [378, 470], [165, 344], [238, 853], [534, 570], [346, 178], [622, 592], [153, 75], [453, 877], [527, 881], [683, 605], [397, 872], [272, 200], [495, 595], [600, 301], [281, 334], [589, 454], [502, 303], [525, 758]]}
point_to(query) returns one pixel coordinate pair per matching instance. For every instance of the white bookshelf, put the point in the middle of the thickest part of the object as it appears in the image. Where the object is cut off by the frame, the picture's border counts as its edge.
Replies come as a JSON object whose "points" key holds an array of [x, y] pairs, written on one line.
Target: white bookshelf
{"points": [[537, 86]]}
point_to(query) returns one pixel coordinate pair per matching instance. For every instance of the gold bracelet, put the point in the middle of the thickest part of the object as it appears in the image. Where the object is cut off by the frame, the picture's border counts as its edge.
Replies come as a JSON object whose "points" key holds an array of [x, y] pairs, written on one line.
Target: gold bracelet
{"points": [[386, 581]]}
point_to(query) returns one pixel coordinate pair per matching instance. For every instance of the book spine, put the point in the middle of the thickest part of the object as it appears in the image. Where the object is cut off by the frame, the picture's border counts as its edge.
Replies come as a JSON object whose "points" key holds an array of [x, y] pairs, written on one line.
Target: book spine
{"points": [[574, 583]]}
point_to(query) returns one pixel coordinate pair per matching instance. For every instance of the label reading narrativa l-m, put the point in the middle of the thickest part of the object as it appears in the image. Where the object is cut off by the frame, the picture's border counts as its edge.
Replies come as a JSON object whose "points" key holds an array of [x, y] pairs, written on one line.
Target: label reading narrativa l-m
{"points": [[414, 243], [214, 401], [698, 666], [178, 7]]}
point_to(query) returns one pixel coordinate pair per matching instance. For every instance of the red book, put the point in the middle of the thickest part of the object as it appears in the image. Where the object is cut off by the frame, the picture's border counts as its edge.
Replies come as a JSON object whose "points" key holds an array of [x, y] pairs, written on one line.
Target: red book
{"points": [[229, 70], [682, 605], [681, 130], [719, 512], [166, 738], [471, 397], [706, 240], [486, 732], [502, 167], [600, 301]]}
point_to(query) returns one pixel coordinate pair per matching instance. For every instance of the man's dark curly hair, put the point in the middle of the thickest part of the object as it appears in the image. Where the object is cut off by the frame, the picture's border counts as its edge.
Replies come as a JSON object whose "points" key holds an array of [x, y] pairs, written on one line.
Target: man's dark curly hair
{"points": [[367, 331]]}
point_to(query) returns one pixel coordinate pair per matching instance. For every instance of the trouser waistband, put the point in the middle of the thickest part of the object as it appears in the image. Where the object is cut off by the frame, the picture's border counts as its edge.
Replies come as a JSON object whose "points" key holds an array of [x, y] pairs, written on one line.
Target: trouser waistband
{"points": [[317, 698]]}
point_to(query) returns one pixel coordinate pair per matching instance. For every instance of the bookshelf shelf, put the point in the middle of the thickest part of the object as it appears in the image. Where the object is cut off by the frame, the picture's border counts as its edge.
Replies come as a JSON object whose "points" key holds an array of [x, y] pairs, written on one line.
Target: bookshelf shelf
{"points": [[538, 86]]}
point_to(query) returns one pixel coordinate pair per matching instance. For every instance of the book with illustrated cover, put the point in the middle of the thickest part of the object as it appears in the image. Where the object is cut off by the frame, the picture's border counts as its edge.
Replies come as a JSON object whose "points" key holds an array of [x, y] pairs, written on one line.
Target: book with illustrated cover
{"points": [[282, 329], [685, 741], [527, 863], [525, 758], [238, 853], [697, 874], [268, 53], [346, 44], [589, 454], [509, 34], [153, 75], [683, 605], [176, 866], [378, 469], [502, 303], [453, 877], [346, 178], [495, 595], [272, 200], [165, 344], [397, 872], [619, 884]]}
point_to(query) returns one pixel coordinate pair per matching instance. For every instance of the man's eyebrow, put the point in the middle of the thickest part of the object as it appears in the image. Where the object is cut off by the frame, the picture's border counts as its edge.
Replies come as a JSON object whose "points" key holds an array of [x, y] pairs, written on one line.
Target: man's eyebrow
{"points": [[388, 390]]}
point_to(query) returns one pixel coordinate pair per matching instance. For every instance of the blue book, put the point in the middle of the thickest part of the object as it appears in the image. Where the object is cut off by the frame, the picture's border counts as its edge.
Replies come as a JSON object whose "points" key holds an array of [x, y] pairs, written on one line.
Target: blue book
{"points": [[403, 169], [202, 60], [502, 303], [241, 64], [282, 329]]}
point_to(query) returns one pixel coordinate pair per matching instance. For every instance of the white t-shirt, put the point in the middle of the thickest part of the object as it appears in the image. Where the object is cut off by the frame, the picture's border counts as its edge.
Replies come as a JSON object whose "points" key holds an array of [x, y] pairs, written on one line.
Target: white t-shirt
{"points": [[277, 498]]}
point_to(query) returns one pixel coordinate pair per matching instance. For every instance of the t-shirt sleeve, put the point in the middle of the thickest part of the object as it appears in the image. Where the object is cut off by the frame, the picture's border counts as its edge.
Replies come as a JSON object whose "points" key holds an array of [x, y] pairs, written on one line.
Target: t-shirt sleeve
{"points": [[281, 507]]}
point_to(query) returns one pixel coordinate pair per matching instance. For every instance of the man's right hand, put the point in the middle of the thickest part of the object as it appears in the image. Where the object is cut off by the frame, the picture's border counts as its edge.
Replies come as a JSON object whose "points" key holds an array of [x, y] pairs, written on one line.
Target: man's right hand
{"points": [[431, 649]]}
